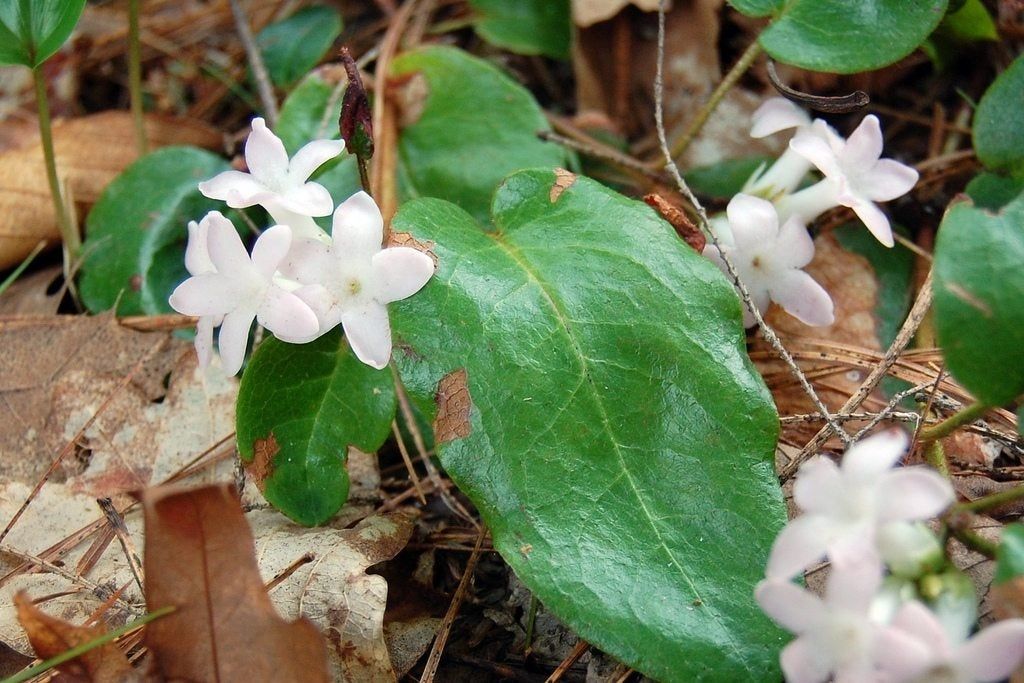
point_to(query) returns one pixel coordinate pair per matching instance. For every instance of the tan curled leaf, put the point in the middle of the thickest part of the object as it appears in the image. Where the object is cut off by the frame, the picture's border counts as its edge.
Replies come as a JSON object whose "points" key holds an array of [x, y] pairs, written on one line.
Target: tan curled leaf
{"points": [[91, 151], [200, 559], [587, 12], [51, 636], [333, 589]]}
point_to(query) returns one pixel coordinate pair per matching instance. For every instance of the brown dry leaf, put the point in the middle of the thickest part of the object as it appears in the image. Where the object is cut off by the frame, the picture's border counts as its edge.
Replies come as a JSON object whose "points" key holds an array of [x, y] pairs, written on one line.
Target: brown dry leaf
{"points": [[91, 151], [332, 589], [587, 12], [51, 637], [200, 558], [31, 294]]}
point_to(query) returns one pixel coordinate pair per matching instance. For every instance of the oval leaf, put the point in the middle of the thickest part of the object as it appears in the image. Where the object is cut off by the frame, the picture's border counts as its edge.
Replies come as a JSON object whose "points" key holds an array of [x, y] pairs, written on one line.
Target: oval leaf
{"points": [[468, 126], [300, 406], [136, 232], [293, 46], [846, 37], [979, 298], [32, 30], [527, 27], [595, 401], [757, 8], [999, 121]]}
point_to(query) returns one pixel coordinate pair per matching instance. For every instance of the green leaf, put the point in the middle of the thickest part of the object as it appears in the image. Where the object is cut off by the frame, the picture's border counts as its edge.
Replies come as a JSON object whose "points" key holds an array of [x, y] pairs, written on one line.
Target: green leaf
{"points": [[32, 30], [979, 298], [527, 27], [597, 405], [311, 112], [724, 179], [841, 36], [293, 46], [999, 122], [136, 232], [1010, 555], [757, 8], [992, 191], [476, 125], [300, 406], [970, 23]]}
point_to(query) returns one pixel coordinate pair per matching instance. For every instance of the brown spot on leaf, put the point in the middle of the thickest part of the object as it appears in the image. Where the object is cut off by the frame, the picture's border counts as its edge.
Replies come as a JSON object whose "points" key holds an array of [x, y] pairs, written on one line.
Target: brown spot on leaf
{"points": [[526, 549], [563, 181], [404, 239], [453, 406], [969, 299], [262, 466], [684, 227]]}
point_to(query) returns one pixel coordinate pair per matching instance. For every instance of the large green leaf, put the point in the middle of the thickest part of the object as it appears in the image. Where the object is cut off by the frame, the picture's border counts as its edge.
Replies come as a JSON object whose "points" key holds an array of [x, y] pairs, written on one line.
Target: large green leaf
{"points": [[1010, 555], [993, 191], [846, 37], [999, 122], [595, 401], [300, 406], [32, 30], [757, 8], [475, 125], [136, 232], [979, 298], [293, 46], [528, 27]]}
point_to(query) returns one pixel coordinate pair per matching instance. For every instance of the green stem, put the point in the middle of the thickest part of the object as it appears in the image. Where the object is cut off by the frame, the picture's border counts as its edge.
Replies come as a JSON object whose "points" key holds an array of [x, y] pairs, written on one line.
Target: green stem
{"points": [[964, 416], [935, 455], [16, 273], [738, 69], [976, 542], [72, 242], [993, 500], [135, 76], [78, 650], [364, 176], [531, 621]]}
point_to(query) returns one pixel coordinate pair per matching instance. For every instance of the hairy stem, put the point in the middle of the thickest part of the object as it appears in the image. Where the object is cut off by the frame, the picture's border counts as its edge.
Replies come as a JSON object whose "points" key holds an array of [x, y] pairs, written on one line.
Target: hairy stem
{"points": [[964, 416], [994, 500], [72, 242]]}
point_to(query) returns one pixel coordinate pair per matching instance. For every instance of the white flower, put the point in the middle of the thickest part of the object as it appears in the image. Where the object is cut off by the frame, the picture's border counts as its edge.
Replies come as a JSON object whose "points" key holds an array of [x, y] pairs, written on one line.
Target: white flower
{"points": [[836, 637], [991, 655], [768, 260], [197, 262], [855, 176], [845, 506], [240, 289], [775, 115], [351, 280], [277, 183]]}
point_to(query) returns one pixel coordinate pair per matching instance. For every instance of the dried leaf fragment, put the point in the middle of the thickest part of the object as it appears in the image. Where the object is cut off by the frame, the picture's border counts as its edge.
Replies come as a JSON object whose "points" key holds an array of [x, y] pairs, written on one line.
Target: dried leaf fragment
{"points": [[684, 227], [453, 407], [587, 12], [563, 181]]}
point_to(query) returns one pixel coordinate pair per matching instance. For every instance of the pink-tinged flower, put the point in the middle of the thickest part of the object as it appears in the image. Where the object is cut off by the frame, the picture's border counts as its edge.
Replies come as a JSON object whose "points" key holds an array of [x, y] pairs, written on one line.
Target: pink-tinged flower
{"points": [[280, 185], [769, 259], [775, 115], [836, 637], [845, 506], [197, 262], [855, 176], [351, 280], [241, 289], [991, 655]]}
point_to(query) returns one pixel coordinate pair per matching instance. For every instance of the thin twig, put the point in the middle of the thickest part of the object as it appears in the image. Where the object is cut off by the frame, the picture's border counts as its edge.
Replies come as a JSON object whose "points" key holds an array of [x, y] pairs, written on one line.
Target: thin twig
{"points": [[573, 657], [889, 411], [408, 461], [885, 414], [135, 76], [259, 68], [117, 524], [966, 416], [101, 592], [610, 155], [702, 216]]}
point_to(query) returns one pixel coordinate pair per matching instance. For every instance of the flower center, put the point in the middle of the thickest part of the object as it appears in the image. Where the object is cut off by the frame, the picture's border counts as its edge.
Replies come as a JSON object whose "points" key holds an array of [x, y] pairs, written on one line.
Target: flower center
{"points": [[354, 286]]}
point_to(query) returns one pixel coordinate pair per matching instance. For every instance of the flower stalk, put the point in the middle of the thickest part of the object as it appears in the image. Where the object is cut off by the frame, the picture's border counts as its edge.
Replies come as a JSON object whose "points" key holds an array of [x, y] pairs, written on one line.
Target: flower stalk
{"points": [[964, 416], [135, 76], [72, 241]]}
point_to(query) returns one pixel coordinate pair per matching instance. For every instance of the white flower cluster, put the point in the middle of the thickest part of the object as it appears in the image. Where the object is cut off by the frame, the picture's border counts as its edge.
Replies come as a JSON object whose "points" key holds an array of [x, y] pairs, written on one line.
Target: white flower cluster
{"points": [[298, 282], [865, 517], [764, 231]]}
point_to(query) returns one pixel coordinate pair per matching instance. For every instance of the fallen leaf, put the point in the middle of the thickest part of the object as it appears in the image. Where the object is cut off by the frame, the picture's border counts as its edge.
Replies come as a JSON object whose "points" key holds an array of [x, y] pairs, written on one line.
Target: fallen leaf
{"points": [[587, 12], [35, 293], [332, 588], [200, 558], [91, 151], [51, 636]]}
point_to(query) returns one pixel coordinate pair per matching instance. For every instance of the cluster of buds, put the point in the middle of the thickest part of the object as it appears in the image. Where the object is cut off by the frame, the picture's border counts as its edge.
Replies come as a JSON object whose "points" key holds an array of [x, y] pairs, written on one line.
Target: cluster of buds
{"points": [[298, 282], [867, 518], [764, 230]]}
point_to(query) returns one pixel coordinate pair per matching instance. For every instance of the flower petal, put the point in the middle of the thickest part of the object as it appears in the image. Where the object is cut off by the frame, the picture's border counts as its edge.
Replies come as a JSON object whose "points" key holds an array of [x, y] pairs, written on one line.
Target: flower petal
{"points": [[793, 608], [902, 655], [864, 146], [853, 585], [777, 113], [803, 298], [369, 334], [288, 317], [753, 221], [875, 220], [197, 253], [270, 249], [234, 338], [311, 157], [209, 294], [239, 190], [870, 458], [803, 662], [310, 199], [994, 652], [204, 338], [916, 619], [265, 155], [303, 227], [800, 544], [913, 493], [815, 148], [794, 247], [320, 301], [400, 272], [759, 297], [227, 252], [819, 486], [888, 179], [358, 227]]}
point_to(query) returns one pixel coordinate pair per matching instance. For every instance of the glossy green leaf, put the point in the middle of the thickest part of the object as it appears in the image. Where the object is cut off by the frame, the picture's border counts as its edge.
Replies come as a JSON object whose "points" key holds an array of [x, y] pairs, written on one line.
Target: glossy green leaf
{"points": [[724, 179], [293, 46], [979, 298], [136, 233], [527, 27], [300, 406], [993, 191], [32, 30], [596, 403], [475, 125], [1010, 555], [841, 36], [971, 22], [757, 8], [311, 112], [999, 122]]}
